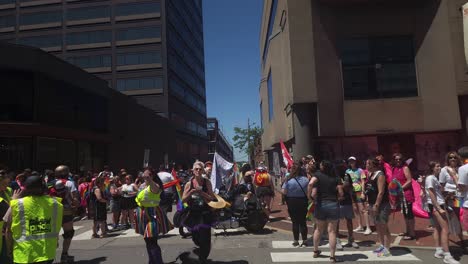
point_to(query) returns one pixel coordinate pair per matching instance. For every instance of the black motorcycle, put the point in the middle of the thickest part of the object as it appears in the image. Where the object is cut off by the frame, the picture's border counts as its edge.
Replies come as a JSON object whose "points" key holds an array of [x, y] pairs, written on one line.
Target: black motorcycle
{"points": [[243, 212]]}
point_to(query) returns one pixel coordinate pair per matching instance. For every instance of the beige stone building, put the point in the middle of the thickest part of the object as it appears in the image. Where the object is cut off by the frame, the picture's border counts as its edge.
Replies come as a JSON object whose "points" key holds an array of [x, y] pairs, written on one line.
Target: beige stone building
{"points": [[357, 77]]}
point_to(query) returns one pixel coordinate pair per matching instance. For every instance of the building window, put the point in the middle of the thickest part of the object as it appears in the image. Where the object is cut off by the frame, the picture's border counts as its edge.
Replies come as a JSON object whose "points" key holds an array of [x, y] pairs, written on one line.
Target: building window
{"points": [[271, 23], [137, 8], [42, 41], [139, 58], [7, 21], [88, 13], [79, 38], [6, 2], [139, 33], [40, 18], [144, 83], [270, 98], [380, 67], [95, 61]]}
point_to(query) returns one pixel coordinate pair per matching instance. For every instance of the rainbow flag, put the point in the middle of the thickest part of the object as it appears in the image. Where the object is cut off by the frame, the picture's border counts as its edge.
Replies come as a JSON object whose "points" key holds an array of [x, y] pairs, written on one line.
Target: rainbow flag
{"points": [[310, 211], [176, 183]]}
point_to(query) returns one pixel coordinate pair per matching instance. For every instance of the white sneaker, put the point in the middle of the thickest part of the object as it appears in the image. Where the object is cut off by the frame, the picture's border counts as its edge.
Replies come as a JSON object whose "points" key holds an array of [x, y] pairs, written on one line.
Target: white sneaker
{"points": [[368, 232], [450, 260], [339, 246], [359, 229], [439, 253]]}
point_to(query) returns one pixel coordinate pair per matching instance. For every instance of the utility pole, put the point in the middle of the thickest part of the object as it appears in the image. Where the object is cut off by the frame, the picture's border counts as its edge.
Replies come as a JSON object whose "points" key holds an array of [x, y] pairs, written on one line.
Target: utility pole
{"points": [[248, 143]]}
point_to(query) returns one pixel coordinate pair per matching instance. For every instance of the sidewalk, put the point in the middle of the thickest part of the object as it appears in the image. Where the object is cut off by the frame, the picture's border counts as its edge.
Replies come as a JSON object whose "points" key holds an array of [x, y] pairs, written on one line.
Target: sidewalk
{"points": [[279, 219]]}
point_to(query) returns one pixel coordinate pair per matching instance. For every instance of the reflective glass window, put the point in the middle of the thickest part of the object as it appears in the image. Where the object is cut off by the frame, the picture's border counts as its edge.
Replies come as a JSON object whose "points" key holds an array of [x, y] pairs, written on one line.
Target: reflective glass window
{"points": [[139, 33], [89, 37], [137, 8], [139, 58], [88, 13], [40, 18], [144, 83], [42, 41], [94, 61]]}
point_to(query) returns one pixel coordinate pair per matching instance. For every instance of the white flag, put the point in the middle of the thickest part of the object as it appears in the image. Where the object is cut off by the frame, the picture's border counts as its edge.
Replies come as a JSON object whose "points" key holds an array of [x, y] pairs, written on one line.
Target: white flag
{"points": [[221, 169]]}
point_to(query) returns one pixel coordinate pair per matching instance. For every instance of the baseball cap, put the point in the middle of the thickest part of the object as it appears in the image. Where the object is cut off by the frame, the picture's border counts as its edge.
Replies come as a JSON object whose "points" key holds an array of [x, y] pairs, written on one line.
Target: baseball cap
{"points": [[352, 158]]}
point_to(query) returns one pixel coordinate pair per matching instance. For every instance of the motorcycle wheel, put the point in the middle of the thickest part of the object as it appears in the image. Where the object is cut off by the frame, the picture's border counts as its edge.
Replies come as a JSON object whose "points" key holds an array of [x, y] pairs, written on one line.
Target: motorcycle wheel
{"points": [[184, 232], [256, 221]]}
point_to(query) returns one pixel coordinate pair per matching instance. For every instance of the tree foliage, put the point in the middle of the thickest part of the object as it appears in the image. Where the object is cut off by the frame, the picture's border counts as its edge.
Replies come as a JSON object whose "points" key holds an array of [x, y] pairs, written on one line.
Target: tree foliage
{"points": [[245, 138]]}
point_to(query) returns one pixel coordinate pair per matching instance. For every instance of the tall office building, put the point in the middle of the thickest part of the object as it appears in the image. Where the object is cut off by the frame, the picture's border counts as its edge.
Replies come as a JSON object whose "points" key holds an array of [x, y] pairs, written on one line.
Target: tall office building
{"points": [[343, 78], [149, 50]]}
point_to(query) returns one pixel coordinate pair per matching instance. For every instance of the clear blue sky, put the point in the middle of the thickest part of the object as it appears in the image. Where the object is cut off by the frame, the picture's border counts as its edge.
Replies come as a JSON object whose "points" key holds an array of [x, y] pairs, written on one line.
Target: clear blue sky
{"points": [[232, 62]]}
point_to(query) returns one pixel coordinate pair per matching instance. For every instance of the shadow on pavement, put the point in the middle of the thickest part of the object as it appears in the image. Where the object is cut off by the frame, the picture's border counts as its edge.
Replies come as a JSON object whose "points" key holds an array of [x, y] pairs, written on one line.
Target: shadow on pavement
{"points": [[191, 258], [265, 231], [352, 257], [366, 243], [91, 261], [400, 251]]}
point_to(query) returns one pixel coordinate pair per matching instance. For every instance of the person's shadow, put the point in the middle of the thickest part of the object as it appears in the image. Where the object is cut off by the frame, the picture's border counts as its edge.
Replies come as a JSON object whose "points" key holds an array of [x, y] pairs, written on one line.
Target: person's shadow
{"points": [[192, 258], [91, 261]]}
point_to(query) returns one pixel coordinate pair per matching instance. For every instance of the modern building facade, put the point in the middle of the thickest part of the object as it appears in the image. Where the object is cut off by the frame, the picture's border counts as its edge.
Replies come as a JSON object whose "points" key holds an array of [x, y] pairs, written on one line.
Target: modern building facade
{"points": [[218, 142], [344, 78], [151, 50], [52, 112]]}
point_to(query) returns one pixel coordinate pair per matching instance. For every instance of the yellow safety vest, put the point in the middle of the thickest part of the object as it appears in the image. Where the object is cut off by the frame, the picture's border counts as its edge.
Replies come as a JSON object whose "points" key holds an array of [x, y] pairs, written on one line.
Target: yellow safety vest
{"points": [[36, 222], [1, 229], [146, 198]]}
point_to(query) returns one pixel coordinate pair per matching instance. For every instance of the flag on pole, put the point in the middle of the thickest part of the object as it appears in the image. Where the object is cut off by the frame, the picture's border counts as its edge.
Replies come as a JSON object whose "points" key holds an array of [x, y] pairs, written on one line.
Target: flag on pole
{"points": [[286, 157], [221, 169]]}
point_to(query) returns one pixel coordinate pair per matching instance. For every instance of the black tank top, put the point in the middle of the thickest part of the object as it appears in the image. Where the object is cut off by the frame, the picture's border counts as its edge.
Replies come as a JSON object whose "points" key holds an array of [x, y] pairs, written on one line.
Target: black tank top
{"points": [[326, 187], [198, 203], [372, 188]]}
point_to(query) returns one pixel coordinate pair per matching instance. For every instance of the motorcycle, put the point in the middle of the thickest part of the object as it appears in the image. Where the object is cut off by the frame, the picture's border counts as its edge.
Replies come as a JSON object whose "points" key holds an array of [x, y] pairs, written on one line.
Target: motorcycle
{"points": [[245, 211]]}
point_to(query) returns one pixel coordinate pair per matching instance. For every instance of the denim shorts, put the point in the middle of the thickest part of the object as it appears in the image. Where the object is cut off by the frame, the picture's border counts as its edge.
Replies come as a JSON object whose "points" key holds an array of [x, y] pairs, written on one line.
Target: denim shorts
{"points": [[382, 215], [346, 211], [327, 210]]}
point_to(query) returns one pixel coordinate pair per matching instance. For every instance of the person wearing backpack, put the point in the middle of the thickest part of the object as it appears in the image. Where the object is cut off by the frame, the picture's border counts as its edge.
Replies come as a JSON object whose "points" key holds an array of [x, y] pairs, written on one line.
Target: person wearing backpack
{"points": [[296, 199]]}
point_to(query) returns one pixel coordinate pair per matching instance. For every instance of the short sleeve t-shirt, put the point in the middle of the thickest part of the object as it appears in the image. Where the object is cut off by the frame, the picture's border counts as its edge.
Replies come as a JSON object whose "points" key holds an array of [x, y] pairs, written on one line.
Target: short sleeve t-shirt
{"points": [[432, 182], [445, 178], [357, 176], [326, 187], [463, 179], [296, 187]]}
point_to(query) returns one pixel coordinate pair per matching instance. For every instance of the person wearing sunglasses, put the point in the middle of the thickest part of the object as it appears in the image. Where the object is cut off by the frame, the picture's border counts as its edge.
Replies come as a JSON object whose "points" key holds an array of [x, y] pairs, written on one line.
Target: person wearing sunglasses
{"points": [[198, 192], [449, 179], [402, 174]]}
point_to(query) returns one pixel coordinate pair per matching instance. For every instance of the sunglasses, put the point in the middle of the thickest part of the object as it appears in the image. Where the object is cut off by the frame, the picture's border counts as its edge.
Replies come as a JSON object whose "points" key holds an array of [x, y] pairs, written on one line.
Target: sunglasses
{"points": [[452, 157], [197, 169]]}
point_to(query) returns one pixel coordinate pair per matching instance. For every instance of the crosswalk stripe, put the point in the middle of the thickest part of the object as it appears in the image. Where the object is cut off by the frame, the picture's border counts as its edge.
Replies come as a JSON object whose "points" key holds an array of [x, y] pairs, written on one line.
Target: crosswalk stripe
{"points": [[343, 255], [83, 236]]}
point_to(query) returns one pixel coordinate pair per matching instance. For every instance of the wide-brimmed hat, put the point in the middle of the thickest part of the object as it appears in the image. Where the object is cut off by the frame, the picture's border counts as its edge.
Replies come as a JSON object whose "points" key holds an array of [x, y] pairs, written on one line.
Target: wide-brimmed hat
{"points": [[220, 203]]}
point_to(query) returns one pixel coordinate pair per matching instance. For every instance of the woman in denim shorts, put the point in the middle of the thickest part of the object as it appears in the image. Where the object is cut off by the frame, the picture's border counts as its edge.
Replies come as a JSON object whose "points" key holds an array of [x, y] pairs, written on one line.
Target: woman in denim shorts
{"points": [[327, 190]]}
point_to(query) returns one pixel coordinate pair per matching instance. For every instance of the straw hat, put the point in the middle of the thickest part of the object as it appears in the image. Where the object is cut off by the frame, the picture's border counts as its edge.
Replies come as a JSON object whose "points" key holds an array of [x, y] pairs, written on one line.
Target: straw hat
{"points": [[221, 203]]}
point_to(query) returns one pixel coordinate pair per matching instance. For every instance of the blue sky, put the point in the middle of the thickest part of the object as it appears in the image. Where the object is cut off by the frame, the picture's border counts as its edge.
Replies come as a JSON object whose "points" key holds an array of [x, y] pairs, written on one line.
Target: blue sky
{"points": [[232, 62]]}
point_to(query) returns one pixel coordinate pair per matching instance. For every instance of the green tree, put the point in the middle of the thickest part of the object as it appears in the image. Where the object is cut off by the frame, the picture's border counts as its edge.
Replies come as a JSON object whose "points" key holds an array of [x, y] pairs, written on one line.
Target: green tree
{"points": [[245, 138]]}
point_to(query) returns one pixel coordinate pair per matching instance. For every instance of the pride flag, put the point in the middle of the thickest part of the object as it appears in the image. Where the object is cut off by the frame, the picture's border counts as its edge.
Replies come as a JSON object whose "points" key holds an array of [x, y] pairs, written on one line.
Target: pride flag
{"points": [[176, 183]]}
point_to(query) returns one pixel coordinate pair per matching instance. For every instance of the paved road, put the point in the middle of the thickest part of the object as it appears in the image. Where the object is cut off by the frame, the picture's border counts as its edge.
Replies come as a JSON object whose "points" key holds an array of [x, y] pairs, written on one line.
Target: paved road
{"points": [[237, 247]]}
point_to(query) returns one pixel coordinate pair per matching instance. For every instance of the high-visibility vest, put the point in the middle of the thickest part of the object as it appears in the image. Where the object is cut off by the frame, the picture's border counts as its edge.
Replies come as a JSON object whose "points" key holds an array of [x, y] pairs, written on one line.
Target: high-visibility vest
{"points": [[1, 229], [146, 198], [36, 222]]}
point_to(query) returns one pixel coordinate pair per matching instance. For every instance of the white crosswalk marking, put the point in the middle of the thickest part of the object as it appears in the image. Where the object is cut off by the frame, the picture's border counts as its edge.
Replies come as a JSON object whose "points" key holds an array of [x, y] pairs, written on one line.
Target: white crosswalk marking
{"points": [[83, 236], [343, 255]]}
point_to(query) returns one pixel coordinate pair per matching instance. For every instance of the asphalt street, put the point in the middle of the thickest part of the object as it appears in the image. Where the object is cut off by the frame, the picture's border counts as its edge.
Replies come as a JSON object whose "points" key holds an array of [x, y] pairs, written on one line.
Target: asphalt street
{"points": [[236, 246]]}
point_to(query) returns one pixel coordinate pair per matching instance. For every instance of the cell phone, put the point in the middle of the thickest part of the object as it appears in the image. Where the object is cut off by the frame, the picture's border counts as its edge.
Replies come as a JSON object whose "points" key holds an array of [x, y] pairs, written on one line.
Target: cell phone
{"points": [[199, 188]]}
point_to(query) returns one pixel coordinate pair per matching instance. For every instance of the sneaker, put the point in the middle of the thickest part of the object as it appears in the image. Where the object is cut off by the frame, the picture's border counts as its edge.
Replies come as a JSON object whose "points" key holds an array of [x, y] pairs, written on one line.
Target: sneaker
{"points": [[94, 236], [439, 253], [379, 249], [450, 260], [368, 232], [295, 243], [354, 244], [384, 253], [339, 246], [359, 229]]}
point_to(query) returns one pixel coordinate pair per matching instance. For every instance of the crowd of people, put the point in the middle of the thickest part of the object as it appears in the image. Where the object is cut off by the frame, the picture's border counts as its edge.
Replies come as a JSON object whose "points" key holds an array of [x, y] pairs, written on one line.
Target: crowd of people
{"points": [[342, 190]]}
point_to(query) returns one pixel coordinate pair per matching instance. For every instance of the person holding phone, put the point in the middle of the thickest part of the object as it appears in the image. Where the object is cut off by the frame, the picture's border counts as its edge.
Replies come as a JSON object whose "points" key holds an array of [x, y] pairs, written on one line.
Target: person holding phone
{"points": [[198, 192]]}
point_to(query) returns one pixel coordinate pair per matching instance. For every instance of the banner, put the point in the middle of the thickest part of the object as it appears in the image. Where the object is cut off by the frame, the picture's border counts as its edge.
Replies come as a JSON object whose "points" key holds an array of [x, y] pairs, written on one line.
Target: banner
{"points": [[465, 29], [221, 170], [286, 157]]}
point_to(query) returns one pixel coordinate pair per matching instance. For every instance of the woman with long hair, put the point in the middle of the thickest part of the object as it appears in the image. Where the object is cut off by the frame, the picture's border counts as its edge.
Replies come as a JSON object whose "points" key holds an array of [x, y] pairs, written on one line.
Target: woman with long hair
{"points": [[129, 191], [379, 205], [100, 208], [296, 198], [402, 174], [198, 193], [147, 216], [438, 212], [449, 180], [327, 191]]}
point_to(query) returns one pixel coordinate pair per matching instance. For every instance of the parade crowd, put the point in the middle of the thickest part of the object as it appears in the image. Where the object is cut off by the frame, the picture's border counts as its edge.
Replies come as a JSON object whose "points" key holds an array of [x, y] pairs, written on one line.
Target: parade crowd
{"points": [[34, 206]]}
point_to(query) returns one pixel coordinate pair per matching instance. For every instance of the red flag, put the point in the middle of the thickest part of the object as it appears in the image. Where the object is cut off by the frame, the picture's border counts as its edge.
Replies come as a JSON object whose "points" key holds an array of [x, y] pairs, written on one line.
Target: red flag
{"points": [[286, 157]]}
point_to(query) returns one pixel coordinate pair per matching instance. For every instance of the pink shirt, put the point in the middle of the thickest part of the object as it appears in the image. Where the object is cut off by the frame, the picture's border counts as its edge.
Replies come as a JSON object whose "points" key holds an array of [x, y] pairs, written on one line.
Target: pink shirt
{"points": [[398, 173]]}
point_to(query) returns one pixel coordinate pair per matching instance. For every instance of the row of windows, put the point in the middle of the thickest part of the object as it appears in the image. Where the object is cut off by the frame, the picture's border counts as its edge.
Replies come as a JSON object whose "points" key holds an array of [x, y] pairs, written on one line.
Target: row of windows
{"points": [[139, 58], [184, 51], [196, 28], [144, 83], [89, 13], [95, 61], [91, 37], [187, 96], [270, 97], [5, 2], [191, 126], [185, 74]]}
